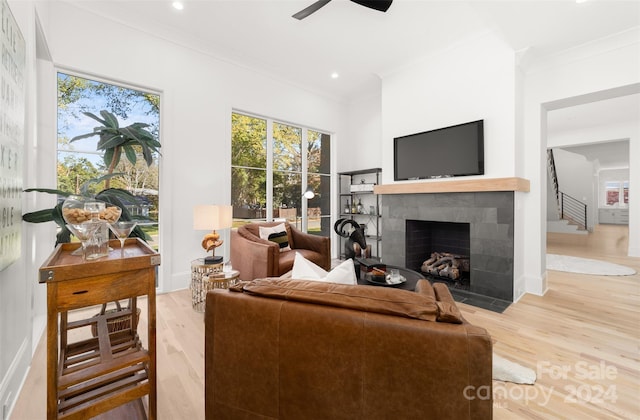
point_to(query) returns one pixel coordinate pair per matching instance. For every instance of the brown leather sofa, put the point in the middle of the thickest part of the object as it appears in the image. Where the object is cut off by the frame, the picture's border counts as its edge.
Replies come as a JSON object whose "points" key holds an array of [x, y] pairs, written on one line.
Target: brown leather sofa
{"points": [[257, 258], [294, 349]]}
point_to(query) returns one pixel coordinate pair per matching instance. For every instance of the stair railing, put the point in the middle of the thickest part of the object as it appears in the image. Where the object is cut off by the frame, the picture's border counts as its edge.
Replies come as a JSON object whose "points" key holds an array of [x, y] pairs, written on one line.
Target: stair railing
{"points": [[551, 165], [573, 210]]}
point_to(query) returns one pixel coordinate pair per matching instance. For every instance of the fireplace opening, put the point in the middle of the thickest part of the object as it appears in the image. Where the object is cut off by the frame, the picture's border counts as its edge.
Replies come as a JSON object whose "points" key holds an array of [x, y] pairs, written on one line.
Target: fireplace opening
{"points": [[439, 250]]}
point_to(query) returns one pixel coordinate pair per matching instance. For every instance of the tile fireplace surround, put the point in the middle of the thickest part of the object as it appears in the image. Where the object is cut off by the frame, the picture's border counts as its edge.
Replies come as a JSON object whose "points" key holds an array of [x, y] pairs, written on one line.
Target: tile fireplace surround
{"points": [[486, 205]]}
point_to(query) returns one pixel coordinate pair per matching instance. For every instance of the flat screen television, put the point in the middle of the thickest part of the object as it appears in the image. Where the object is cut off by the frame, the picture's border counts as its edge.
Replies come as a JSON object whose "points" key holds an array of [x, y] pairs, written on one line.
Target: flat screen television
{"points": [[446, 152]]}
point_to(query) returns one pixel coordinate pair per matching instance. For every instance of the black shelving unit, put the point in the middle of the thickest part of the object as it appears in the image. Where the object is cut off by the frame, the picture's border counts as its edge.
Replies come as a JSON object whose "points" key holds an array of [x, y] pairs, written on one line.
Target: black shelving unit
{"points": [[357, 187]]}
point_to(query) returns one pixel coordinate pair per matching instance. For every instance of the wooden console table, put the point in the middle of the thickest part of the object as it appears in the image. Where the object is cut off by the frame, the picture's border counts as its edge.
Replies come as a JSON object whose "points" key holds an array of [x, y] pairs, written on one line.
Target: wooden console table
{"points": [[96, 374]]}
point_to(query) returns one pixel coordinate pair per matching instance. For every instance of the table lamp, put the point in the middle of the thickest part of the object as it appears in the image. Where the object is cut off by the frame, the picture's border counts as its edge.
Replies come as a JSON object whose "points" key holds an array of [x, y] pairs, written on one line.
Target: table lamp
{"points": [[210, 217]]}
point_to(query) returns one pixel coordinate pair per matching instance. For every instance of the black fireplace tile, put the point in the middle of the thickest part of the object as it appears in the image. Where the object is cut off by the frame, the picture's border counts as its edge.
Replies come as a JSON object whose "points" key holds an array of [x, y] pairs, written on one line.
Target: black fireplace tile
{"points": [[453, 200], [393, 243], [484, 302], [484, 246], [490, 284], [493, 263], [486, 215], [471, 214], [458, 214], [478, 210], [505, 215], [405, 212], [437, 214], [394, 225], [490, 231], [496, 199]]}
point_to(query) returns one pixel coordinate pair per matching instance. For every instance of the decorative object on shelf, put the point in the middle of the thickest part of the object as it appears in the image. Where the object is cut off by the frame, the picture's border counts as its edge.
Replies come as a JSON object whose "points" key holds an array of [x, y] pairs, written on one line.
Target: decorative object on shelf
{"points": [[122, 230], [212, 217], [116, 324], [356, 238], [362, 187], [364, 206], [78, 210], [84, 232]]}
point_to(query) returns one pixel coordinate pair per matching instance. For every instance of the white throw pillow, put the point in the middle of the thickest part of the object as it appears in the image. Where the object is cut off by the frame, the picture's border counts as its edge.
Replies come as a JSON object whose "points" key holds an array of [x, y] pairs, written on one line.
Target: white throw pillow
{"points": [[303, 269], [277, 234], [345, 273]]}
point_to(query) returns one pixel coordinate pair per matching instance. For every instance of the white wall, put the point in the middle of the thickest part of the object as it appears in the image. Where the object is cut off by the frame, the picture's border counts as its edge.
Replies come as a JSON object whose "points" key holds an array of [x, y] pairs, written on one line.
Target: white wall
{"points": [[602, 65], [576, 177], [198, 93], [361, 148], [17, 283], [471, 81]]}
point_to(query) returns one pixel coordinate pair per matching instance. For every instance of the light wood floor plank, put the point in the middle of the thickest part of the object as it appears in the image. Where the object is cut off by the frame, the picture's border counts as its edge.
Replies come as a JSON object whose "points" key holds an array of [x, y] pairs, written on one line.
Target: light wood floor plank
{"points": [[582, 322]]}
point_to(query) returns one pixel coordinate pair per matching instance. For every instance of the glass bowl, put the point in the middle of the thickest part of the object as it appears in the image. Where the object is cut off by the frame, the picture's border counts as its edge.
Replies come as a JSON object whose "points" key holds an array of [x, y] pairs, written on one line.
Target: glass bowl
{"points": [[78, 209]]}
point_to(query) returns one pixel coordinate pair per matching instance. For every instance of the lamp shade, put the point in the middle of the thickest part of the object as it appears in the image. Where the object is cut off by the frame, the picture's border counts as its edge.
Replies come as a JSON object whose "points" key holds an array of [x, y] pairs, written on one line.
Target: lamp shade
{"points": [[212, 217]]}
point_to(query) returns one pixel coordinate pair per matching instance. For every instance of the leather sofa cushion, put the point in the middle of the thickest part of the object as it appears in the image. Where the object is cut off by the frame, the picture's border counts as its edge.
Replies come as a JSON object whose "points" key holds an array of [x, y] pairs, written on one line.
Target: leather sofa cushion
{"points": [[380, 300], [447, 309]]}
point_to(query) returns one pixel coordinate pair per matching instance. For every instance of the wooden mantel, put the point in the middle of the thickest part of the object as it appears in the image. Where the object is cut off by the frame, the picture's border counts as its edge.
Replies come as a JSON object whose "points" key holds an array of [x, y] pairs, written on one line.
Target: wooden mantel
{"points": [[448, 186]]}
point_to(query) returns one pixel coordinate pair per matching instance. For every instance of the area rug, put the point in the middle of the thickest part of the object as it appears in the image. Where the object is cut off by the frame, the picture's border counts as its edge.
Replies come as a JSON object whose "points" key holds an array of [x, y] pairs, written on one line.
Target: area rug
{"points": [[586, 266], [508, 371]]}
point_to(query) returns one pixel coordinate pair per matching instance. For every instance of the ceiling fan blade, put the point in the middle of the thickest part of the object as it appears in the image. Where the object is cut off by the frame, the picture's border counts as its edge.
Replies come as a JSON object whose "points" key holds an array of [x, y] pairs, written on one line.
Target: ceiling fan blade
{"points": [[381, 5], [311, 9]]}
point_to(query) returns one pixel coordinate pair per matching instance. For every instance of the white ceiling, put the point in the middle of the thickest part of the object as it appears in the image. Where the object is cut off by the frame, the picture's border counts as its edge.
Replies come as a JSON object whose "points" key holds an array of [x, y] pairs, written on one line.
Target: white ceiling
{"points": [[359, 43], [363, 45], [610, 152]]}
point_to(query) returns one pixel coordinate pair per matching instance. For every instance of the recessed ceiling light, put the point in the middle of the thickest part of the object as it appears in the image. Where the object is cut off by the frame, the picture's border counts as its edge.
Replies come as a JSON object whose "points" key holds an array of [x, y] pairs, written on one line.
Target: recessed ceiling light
{"points": [[178, 5], [581, 1], [335, 75]]}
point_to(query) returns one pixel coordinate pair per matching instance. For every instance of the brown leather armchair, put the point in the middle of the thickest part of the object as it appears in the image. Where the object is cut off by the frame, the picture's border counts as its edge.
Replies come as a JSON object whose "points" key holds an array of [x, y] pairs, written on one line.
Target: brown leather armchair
{"points": [[258, 258], [295, 349]]}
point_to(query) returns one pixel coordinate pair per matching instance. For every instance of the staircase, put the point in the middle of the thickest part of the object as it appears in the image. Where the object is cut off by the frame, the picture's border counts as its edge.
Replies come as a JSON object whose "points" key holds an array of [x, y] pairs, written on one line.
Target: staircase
{"points": [[572, 212], [565, 226]]}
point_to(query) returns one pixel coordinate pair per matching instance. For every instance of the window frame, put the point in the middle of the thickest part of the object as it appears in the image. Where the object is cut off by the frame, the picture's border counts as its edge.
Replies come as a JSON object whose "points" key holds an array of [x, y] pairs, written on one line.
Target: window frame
{"points": [[304, 172], [164, 190]]}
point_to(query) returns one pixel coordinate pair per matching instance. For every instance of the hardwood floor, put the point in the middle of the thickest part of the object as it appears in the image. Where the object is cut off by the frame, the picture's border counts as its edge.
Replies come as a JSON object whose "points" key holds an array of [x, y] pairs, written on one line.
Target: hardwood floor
{"points": [[582, 337]]}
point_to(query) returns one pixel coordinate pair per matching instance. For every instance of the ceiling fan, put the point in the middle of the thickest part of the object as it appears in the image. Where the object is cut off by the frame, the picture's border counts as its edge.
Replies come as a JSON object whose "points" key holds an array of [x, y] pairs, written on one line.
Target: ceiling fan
{"points": [[381, 5]]}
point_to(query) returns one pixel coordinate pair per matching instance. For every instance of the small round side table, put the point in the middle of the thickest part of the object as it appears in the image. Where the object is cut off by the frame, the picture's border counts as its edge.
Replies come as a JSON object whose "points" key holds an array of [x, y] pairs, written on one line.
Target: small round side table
{"points": [[205, 277]]}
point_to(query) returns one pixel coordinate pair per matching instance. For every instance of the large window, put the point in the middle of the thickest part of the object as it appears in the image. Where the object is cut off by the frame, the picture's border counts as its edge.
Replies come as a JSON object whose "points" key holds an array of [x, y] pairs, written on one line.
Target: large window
{"points": [[80, 161], [272, 165]]}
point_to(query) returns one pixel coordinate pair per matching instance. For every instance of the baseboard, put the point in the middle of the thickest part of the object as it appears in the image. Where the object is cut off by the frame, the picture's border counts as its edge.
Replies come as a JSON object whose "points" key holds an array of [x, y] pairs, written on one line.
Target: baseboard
{"points": [[15, 378], [536, 285]]}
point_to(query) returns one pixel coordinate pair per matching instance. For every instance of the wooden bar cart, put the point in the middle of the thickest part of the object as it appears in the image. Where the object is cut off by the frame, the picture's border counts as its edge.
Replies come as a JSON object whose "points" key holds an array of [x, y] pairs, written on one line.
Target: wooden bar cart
{"points": [[111, 368]]}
